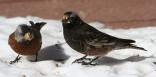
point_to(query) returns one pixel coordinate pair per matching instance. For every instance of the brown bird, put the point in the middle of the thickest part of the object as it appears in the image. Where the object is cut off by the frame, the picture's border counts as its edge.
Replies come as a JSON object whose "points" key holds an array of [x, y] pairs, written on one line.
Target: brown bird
{"points": [[26, 40], [89, 41]]}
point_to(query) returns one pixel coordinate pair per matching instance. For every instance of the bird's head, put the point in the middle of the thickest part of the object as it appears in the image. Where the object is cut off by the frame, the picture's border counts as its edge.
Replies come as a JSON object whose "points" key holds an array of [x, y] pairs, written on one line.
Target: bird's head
{"points": [[70, 18], [24, 34]]}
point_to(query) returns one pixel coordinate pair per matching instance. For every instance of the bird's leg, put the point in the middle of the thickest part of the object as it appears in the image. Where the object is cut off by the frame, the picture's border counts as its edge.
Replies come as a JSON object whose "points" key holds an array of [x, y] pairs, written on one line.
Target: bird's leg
{"points": [[91, 62], [79, 60], [36, 57], [16, 59]]}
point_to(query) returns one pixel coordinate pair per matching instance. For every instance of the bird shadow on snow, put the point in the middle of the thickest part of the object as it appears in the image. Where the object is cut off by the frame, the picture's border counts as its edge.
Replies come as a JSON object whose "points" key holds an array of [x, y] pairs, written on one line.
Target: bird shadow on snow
{"points": [[113, 61], [54, 52]]}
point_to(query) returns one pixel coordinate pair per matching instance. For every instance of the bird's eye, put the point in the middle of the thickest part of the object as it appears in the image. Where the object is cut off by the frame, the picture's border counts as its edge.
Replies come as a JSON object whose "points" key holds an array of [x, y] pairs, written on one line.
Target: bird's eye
{"points": [[73, 18]]}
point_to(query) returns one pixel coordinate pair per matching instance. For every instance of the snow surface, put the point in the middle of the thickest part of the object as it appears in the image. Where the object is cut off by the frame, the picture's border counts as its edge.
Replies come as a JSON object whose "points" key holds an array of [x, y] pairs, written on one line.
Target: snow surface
{"points": [[118, 63]]}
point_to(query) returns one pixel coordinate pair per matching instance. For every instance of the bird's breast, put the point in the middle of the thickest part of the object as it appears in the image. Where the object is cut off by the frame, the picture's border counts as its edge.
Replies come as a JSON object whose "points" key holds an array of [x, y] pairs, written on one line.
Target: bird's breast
{"points": [[74, 41], [31, 49]]}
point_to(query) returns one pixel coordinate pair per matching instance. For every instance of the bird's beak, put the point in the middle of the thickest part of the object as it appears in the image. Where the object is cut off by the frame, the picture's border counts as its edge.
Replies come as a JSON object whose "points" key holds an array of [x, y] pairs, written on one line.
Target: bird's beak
{"points": [[28, 36], [66, 19]]}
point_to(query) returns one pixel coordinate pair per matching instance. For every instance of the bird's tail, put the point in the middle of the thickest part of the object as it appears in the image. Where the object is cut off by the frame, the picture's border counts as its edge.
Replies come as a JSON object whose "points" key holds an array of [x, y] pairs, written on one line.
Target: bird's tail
{"points": [[136, 47], [37, 25]]}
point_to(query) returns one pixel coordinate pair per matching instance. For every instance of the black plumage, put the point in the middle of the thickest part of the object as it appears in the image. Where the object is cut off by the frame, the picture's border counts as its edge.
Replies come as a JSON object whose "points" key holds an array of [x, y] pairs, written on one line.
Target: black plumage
{"points": [[87, 40]]}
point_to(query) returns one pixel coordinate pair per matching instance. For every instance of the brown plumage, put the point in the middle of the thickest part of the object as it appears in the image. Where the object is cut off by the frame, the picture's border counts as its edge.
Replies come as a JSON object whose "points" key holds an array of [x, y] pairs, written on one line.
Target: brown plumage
{"points": [[87, 40], [26, 40]]}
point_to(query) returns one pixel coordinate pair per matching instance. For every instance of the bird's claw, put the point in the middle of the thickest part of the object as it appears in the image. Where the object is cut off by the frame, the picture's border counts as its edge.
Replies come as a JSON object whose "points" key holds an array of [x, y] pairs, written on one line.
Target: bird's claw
{"points": [[84, 62], [16, 60], [89, 63], [81, 60], [78, 60]]}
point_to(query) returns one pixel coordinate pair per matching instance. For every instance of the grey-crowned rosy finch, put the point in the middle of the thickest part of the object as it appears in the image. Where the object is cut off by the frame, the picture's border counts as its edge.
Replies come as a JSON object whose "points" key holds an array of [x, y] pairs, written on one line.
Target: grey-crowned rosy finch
{"points": [[26, 40]]}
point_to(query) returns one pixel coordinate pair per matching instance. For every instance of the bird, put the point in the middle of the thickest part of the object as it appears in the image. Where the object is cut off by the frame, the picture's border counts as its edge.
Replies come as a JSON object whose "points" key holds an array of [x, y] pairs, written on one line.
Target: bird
{"points": [[87, 40], [26, 39]]}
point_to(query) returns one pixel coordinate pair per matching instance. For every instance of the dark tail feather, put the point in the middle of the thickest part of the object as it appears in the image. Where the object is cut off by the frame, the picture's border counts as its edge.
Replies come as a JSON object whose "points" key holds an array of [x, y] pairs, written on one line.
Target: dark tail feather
{"points": [[127, 41], [37, 25], [136, 47]]}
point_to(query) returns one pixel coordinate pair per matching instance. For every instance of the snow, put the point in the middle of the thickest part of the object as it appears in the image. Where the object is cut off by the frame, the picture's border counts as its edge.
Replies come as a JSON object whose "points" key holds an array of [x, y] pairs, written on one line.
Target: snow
{"points": [[118, 63]]}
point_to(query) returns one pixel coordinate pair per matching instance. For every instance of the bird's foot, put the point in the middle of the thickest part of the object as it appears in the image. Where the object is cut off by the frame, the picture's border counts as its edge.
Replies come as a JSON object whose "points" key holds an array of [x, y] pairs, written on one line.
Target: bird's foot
{"points": [[16, 60], [81, 60], [36, 58], [89, 63], [85, 61]]}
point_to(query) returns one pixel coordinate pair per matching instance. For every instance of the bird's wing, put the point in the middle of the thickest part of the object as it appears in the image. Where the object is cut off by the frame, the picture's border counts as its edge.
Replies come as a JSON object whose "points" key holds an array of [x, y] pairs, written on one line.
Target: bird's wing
{"points": [[98, 38], [101, 40], [94, 37]]}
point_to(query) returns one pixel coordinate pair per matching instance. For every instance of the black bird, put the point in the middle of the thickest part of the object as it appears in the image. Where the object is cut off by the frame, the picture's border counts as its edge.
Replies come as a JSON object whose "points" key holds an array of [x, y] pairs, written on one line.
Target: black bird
{"points": [[87, 40], [26, 40]]}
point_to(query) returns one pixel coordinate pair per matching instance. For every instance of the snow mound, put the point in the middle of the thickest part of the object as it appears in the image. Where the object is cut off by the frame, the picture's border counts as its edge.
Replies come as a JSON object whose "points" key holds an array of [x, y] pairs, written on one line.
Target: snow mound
{"points": [[118, 63]]}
